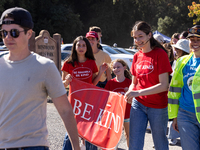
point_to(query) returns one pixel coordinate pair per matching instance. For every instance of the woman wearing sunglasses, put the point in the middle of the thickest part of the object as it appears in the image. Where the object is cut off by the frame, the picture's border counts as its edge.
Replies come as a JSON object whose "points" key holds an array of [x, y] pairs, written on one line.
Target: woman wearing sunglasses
{"points": [[184, 94]]}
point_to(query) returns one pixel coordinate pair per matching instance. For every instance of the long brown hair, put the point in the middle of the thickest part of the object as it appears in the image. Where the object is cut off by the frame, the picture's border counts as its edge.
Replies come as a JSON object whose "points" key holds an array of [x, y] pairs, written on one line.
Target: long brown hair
{"points": [[127, 73], [146, 28], [170, 52], [174, 36], [74, 57]]}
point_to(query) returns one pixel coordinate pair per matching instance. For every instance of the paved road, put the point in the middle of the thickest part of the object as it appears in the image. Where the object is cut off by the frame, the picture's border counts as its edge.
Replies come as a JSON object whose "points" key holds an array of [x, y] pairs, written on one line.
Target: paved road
{"points": [[57, 132]]}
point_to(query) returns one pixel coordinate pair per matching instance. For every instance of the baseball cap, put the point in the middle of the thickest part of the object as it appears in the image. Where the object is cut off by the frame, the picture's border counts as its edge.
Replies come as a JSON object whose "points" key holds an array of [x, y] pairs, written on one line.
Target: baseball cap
{"points": [[21, 17], [92, 34], [159, 38], [194, 31], [182, 44]]}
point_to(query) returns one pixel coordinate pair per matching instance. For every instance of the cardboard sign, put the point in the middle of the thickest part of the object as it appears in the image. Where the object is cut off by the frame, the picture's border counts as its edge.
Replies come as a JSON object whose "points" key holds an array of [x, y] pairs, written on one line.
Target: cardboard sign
{"points": [[99, 113]]}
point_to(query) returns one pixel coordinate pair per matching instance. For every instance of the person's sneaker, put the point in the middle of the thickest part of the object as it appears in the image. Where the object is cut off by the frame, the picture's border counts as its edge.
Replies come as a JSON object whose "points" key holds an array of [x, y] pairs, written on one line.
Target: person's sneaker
{"points": [[148, 127], [148, 130], [173, 142]]}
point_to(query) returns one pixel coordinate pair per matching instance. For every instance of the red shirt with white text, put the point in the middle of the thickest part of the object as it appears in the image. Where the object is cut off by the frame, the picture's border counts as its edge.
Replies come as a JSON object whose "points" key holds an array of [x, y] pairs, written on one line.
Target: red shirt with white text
{"points": [[147, 67], [82, 71], [115, 86]]}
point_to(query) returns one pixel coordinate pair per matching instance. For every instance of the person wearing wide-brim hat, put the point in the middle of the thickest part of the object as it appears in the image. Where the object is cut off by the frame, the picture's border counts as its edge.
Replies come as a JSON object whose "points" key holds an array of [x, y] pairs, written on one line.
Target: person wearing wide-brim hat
{"points": [[184, 94], [181, 48]]}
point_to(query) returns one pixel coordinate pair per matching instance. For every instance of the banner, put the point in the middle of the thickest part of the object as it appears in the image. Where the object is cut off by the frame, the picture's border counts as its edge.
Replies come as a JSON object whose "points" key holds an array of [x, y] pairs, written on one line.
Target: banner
{"points": [[99, 113]]}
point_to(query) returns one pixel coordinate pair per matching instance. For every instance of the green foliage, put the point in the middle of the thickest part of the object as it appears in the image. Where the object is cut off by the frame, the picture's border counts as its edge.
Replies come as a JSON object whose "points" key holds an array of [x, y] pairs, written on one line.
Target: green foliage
{"points": [[165, 25], [52, 15], [116, 18], [194, 11], [58, 18], [175, 19]]}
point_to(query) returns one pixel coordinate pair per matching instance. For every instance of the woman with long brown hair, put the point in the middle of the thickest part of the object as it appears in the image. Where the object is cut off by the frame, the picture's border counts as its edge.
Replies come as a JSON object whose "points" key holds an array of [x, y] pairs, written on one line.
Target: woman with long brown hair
{"points": [[148, 90]]}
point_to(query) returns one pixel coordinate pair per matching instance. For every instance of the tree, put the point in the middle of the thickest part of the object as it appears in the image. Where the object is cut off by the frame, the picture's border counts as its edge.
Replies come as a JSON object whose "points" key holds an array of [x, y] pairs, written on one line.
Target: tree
{"points": [[175, 18], [72, 18], [56, 16], [165, 24], [194, 11]]}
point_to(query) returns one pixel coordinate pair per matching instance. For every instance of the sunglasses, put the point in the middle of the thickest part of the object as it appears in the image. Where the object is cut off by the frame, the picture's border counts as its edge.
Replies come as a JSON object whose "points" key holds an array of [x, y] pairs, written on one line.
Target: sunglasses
{"points": [[13, 32], [194, 30]]}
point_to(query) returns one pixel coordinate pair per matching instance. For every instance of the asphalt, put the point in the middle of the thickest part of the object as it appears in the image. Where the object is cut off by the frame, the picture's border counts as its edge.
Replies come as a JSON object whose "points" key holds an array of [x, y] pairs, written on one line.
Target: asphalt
{"points": [[57, 133]]}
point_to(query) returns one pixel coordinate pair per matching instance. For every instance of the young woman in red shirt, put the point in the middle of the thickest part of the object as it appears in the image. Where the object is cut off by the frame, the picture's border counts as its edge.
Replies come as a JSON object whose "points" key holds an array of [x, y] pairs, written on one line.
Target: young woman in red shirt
{"points": [[120, 85], [148, 90], [81, 65]]}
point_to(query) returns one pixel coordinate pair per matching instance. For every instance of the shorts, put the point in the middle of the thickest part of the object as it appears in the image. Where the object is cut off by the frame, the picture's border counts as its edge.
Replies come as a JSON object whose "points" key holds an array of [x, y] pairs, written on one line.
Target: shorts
{"points": [[127, 120]]}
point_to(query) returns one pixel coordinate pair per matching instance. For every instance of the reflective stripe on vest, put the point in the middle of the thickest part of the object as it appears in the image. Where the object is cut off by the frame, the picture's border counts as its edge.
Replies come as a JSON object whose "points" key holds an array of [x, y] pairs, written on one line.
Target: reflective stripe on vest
{"points": [[196, 96], [173, 101], [175, 89], [197, 109]]}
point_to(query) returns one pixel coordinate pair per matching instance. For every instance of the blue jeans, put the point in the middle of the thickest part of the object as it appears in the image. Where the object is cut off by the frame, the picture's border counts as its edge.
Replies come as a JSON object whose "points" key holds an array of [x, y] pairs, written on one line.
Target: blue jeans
{"points": [[67, 144], [90, 146], [189, 129], [139, 117], [37, 148], [102, 84]]}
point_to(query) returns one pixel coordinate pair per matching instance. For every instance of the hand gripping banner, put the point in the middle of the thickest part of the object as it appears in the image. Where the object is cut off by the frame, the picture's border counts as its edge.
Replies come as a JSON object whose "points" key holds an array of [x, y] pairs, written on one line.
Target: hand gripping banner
{"points": [[99, 113]]}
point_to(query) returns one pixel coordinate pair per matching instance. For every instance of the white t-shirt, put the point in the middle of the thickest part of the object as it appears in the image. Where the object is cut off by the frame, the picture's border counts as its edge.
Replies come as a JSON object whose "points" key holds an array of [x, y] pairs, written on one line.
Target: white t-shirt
{"points": [[24, 87]]}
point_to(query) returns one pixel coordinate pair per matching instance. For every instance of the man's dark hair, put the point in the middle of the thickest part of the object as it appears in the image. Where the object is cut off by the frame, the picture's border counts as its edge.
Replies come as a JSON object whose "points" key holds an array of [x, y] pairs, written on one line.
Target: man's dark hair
{"points": [[95, 28]]}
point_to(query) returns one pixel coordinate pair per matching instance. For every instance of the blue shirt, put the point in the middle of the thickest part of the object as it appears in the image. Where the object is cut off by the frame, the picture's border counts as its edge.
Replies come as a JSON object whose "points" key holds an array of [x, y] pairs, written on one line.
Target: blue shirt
{"points": [[186, 100]]}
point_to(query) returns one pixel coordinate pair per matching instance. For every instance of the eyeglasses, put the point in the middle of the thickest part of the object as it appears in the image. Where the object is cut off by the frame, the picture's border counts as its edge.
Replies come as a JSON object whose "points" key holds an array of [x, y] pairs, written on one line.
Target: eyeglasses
{"points": [[13, 32], [194, 30]]}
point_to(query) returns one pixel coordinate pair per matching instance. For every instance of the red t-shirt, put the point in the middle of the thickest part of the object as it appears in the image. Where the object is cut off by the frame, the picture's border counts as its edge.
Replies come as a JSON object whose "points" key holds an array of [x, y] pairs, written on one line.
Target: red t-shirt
{"points": [[115, 86], [147, 67], [82, 71]]}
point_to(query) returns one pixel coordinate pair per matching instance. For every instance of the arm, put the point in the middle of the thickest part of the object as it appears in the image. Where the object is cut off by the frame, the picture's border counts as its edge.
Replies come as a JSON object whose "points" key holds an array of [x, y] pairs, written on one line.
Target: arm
{"points": [[175, 125], [108, 71], [133, 83], [65, 110], [66, 78], [108, 74], [158, 88], [96, 77]]}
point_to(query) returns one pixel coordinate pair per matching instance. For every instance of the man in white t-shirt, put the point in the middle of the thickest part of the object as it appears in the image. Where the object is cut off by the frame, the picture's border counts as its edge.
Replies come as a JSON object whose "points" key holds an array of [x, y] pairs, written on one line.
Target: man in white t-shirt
{"points": [[26, 79]]}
